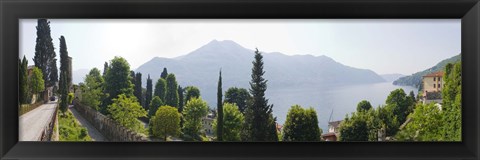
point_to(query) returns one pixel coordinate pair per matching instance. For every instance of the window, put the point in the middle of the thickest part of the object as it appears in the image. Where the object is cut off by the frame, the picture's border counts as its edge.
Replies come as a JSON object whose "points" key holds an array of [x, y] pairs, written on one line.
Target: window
{"points": [[434, 80], [434, 85]]}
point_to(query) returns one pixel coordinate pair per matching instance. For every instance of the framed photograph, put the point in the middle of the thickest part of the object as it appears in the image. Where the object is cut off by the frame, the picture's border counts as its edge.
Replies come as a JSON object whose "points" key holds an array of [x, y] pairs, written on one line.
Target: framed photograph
{"points": [[240, 79]]}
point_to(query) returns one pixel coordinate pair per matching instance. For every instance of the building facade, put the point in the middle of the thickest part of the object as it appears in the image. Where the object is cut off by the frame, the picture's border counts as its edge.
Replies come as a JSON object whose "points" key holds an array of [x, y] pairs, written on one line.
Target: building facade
{"points": [[432, 87], [333, 131]]}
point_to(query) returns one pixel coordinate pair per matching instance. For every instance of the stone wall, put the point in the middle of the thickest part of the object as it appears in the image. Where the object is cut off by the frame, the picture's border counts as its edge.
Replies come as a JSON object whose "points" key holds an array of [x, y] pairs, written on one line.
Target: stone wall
{"points": [[112, 130]]}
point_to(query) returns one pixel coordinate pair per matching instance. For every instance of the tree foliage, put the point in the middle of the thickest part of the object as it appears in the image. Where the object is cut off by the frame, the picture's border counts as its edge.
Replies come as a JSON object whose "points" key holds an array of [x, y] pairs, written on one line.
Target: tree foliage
{"points": [[148, 94], [194, 111], [160, 89], [220, 127], [37, 84], [44, 58], [156, 102], [23, 80], [301, 125], [166, 122], [452, 103], [260, 124], [171, 96], [364, 105], [92, 94], [191, 92], [232, 123], [181, 100], [117, 80], [164, 73], [425, 124], [126, 111], [239, 96], [400, 104], [138, 88]]}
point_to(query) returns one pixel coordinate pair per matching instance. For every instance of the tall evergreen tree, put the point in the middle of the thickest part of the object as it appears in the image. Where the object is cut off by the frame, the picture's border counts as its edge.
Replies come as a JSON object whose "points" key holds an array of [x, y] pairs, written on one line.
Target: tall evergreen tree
{"points": [[105, 69], [63, 93], [164, 73], [219, 108], [132, 77], [148, 95], [23, 78], [259, 121], [180, 99], [171, 96], [64, 64], [160, 89], [138, 88], [45, 55]]}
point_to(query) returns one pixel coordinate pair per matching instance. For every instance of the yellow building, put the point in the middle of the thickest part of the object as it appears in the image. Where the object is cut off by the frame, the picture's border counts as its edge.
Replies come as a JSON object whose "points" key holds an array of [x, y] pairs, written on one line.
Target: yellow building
{"points": [[432, 87]]}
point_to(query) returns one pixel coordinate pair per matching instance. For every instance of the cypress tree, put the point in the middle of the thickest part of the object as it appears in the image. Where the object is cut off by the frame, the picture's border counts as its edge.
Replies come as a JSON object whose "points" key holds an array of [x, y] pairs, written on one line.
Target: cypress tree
{"points": [[105, 69], [171, 96], [219, 109], [180, 99], [45, 55], [138, 88], [23, 78], [132, 77], [148, 95], [259, 121], [164, 73], [160, 89], [63, 66]]}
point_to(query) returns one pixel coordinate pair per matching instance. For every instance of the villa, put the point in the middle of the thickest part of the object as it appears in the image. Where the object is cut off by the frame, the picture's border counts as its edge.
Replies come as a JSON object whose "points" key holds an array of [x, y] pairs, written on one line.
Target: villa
{"points": [[432, 87]]}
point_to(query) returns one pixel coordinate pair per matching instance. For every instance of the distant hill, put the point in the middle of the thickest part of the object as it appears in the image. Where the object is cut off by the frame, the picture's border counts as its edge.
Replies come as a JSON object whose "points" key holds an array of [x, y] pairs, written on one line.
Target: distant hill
{"points": [[200, 68], [415, 79], [391, 77]]}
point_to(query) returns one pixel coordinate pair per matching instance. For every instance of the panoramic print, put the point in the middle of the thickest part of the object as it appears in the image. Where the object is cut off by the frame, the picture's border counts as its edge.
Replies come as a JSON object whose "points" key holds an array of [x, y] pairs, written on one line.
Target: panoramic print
{"points": [[241, 80]]}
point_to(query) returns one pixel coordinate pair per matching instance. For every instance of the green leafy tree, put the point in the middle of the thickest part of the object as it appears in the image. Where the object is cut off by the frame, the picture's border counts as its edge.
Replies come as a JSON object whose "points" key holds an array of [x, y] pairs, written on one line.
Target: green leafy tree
{"points": [[412, 96], [36, 81], [452, 103], [259, 121], [117, 80], [400, 104], [194, 111], [126, 111], [44, 58], [425, 124], [219, 128], [23, 80], [171, 96], [191, 92], [301, 125], [166, 122], [63, 94], [354, 128], [105, 69], [232, 123], [156, 102], [364, 105], [161, 89], [164, 73], [239, 96], [92, 94], [148, 94]]}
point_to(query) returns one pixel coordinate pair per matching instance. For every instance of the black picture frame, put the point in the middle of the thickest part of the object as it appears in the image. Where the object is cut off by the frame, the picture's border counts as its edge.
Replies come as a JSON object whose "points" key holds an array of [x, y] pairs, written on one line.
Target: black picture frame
{"points": [[13, 10]]}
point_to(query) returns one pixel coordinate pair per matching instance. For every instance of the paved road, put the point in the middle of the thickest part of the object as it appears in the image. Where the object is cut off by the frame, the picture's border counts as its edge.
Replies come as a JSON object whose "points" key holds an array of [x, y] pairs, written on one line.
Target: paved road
{"points": [[92, 131], [32, 123]]}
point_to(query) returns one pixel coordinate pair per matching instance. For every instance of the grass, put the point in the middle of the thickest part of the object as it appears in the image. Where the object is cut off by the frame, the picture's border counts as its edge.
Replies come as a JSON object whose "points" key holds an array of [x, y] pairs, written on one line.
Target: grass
{"points": [[24, 108], [70, 129]]}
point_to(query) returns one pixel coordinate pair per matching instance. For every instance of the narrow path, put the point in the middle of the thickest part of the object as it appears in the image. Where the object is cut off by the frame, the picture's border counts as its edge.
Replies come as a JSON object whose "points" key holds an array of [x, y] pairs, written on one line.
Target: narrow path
{"points": [[31, 124], [92, 131]]}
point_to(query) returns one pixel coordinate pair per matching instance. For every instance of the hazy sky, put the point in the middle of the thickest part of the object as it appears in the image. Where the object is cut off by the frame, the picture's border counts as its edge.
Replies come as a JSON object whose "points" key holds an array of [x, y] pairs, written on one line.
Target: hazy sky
{"points": [[384, 46]]}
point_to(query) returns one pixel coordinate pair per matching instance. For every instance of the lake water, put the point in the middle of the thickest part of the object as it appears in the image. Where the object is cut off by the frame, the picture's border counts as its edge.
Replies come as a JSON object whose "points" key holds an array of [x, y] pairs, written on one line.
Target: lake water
{"points": [[341, 99]]}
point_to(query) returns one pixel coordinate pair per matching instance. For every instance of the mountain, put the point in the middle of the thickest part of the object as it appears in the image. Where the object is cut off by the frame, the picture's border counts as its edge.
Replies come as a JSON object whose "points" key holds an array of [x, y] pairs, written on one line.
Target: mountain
{"points": [[415, 79], [391, 77], [201, 67], [79, 75]]}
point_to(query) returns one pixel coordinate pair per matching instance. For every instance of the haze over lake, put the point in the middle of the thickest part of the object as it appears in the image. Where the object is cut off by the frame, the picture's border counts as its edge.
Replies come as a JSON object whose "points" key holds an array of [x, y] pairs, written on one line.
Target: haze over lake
{"points": [[341, 99]]}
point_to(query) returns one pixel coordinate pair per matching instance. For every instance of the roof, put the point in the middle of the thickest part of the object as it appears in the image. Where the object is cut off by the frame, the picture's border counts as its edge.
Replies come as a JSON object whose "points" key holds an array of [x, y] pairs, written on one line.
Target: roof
{"points": [[334, 123], [328, 134], [434, 74]]}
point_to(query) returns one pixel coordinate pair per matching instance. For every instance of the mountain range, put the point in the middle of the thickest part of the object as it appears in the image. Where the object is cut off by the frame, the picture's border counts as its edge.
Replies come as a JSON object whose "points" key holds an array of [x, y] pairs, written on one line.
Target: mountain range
{"points": [[201, 68]]}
